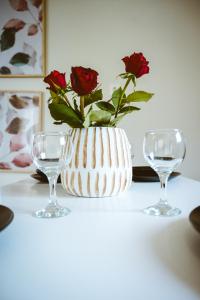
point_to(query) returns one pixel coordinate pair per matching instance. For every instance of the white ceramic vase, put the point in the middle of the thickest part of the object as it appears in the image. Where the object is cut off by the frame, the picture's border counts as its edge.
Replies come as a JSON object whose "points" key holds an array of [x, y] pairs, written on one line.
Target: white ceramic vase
{"points": [[101, 163]]}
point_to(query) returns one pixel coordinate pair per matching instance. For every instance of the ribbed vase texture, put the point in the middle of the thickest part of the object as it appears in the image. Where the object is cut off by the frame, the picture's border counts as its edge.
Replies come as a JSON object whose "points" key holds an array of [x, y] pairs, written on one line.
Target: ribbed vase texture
{"points": [[101, 163]]}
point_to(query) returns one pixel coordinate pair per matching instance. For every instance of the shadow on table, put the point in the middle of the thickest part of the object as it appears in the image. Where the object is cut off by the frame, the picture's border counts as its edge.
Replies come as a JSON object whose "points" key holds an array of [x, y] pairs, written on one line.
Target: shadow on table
{"points": [[19, 195], [24, 195], [178, 247]]}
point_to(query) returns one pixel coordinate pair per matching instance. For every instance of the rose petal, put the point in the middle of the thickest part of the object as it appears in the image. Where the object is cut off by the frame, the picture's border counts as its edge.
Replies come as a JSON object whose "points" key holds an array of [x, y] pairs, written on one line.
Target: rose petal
{"points": [[136, 64], [83, 80]]}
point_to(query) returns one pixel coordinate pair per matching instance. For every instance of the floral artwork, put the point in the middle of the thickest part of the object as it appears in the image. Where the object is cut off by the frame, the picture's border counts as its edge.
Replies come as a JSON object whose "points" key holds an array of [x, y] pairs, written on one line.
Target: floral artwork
{"points": [[22, 38], [20, 118]]}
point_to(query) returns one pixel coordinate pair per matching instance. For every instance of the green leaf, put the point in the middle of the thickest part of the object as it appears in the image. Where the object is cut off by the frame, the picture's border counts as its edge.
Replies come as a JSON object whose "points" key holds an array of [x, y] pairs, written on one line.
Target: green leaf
{"points": [[123, 75], [134, 80], [123, 100], [103, 105], [127, 75], [128, 109], [20, 59], [55, 98], [100, 117], [53, 94], [93, 97], [86, 123], [116, 96], [64, 113], [57, 122], [77, 109], [139, 96], [116, 120], [7, 38], [76, 106]]}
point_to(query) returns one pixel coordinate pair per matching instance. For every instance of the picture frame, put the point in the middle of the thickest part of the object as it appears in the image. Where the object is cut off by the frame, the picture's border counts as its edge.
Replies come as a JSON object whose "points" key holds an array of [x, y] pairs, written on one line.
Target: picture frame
{"points": [[23, 38], [20, 118]]}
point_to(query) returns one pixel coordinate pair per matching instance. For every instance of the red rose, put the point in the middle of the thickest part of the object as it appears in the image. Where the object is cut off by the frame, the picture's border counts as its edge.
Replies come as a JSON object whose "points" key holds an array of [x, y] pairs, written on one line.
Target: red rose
{"points": [[136, 64], [83, 80], [56, 79]]}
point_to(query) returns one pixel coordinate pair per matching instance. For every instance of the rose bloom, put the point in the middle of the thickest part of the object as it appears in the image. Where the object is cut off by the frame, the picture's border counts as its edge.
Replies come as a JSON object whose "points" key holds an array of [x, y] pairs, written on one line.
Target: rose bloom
{"points": [[56, 80], [136, 64], [83, 80]]}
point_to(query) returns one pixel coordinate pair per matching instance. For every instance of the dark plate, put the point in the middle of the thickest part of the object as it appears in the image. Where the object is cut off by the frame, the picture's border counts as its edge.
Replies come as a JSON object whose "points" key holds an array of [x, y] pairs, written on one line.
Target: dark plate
{"points": [[147, 174], [40, 176], [6, 216], [195, 218], [140, 174]]}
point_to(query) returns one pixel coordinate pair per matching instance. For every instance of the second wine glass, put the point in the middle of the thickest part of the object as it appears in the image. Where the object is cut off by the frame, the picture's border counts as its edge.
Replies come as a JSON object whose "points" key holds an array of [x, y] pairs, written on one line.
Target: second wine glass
{"points": [[49, 155], [164, 150]]}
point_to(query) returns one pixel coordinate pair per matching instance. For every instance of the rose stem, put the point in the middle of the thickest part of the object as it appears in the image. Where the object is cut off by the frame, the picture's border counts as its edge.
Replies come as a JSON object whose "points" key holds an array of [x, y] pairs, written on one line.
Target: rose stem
{"points": [[82, 105], [123, 91]]}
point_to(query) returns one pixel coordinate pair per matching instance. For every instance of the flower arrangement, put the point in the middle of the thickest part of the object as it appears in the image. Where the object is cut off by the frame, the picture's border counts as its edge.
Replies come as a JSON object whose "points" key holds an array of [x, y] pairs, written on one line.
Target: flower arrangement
{"points": [[79, 102]]}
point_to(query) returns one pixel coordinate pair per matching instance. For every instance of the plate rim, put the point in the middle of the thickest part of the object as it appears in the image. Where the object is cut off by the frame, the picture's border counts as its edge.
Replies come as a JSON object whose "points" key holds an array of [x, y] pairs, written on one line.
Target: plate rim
{"points": [[9, 219]]}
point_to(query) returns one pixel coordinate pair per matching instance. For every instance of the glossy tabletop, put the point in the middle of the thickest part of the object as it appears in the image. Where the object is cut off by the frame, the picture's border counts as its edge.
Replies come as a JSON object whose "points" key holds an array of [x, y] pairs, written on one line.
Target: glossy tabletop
{"points": [[105, 249]]}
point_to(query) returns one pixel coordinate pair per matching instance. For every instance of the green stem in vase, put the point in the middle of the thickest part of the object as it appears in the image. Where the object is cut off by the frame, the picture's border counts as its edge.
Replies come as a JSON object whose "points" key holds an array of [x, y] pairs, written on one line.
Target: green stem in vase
{"points": [[65, 98], [123, 92], [82, 105]]}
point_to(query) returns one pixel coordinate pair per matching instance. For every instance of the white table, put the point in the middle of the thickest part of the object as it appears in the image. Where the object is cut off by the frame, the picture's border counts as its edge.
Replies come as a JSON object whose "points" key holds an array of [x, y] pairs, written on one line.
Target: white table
{"points": [[105, 249]]}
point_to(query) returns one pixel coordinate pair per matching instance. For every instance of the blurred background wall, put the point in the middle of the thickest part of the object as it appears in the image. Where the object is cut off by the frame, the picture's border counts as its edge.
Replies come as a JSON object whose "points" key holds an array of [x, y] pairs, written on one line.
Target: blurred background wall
{"points": [[98, 34]]}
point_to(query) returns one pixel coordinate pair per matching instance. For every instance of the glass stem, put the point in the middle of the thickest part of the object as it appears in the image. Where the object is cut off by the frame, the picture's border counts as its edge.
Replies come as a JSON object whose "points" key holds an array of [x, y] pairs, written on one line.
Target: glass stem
{"points": [[163, 188], [52, 189]]}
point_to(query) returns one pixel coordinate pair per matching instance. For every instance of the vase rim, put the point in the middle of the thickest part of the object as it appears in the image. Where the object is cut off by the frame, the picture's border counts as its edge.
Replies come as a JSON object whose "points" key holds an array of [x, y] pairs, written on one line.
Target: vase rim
{"points": [[97, 127]]}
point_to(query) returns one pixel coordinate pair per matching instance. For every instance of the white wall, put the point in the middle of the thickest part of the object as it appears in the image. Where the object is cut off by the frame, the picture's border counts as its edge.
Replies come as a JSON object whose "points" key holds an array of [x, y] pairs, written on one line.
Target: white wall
{"points": [[98, 34]]}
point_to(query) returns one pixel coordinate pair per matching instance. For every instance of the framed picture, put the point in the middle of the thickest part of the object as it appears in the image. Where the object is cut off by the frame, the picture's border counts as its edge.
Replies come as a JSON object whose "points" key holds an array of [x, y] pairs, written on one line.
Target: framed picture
{"points": [[20, 118], [22, 38]]}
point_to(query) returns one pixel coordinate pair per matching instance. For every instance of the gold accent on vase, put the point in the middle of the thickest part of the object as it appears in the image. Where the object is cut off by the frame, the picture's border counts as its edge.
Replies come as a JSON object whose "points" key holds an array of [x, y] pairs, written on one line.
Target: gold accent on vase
{"points": [[77, 150], [88, 184], [113, 184], [122, 150], [102, 149], [109, 147], [119, 183], [125, 181], [94, 149], [72, 183], [97, 184], [104, 184], [73, 134], [80, 184], [85, 149], [116, 149]]}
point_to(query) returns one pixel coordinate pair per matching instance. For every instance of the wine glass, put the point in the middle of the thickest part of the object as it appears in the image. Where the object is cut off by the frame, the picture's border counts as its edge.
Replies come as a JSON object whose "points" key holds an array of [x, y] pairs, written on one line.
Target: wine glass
{"points": [[50, 156], [164, 150]]}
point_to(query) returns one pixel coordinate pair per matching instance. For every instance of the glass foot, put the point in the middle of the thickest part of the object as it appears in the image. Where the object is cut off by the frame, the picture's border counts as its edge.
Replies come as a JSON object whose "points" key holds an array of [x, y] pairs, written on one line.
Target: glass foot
{"points": [[52, 211], [162, 210]]}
